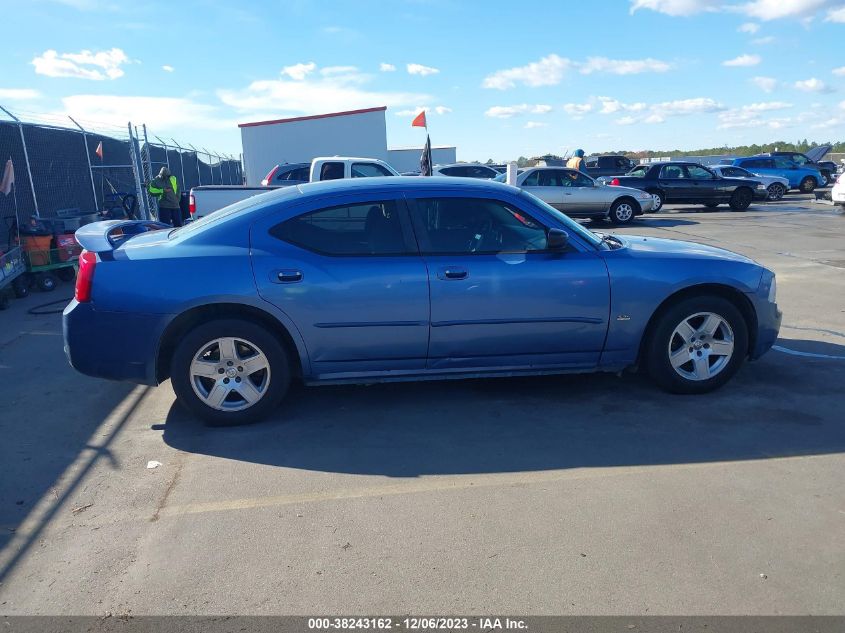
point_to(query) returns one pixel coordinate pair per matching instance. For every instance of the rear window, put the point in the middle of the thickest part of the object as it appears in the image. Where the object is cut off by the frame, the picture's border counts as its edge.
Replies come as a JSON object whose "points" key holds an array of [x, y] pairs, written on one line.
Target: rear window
{"points": [[237, 209]]}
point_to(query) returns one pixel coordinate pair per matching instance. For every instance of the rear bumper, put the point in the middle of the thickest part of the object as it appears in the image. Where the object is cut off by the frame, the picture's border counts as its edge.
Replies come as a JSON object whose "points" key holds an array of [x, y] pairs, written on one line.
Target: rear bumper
{"points": [[112, 345]]}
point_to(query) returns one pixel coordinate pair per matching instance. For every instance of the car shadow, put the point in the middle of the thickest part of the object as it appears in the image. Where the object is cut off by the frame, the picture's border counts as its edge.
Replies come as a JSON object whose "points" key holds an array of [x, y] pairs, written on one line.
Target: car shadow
{"points": [[663, 221], [781, 405]]}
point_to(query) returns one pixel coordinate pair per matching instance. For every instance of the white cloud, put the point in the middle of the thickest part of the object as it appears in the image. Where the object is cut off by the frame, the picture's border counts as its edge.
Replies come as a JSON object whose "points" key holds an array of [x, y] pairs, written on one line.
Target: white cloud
{"points": [[436, 110], [761, 41], [836, 15], [506, 112], [386, 68], [338, 70], [839, 72], [419, 69], [168, 68], [750, 116], [687, 106], [160, 113], [654, 118], [812, 85], [759, 9], [611, 106], [548, 71], [299, 71], [749, 27], [627, 120], [85, 64], [577, 110], [743, 60], [19, 94], [670, 7], [314, 95], [535, 124], [766, 84], [623, 66]]}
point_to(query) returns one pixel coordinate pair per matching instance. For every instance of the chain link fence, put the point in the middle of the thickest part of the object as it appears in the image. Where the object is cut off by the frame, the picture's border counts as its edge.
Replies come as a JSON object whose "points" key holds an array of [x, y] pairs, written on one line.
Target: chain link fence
{"points": [[64, 167]]}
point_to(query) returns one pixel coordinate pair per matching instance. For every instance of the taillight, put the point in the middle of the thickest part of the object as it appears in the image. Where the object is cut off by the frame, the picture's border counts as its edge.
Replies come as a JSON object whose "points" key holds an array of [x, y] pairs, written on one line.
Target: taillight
{"points": [[614, 182], [85, 277], [192, 204]]}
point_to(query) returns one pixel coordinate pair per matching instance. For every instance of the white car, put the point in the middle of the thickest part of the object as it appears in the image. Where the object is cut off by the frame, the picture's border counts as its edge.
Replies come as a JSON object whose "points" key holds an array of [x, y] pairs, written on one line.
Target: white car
{"points": [[775, 185], [578, 195], [465, 170], [837, 194]]}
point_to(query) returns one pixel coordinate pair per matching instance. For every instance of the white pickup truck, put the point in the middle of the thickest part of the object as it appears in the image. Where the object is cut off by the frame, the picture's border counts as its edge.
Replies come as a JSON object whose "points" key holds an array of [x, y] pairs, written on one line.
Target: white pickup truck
{"points": [[206, 199]]}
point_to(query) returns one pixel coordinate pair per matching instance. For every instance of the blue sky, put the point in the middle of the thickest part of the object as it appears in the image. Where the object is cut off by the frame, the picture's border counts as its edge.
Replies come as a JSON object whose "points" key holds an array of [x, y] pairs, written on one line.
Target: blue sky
{"points": [[500, 79]]}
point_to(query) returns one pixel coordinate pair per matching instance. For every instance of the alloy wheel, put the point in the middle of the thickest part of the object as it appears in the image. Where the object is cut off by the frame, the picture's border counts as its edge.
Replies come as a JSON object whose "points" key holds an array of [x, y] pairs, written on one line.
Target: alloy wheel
{"points": [[623, 212], [230, 374], [701, 346], [776, 191]]}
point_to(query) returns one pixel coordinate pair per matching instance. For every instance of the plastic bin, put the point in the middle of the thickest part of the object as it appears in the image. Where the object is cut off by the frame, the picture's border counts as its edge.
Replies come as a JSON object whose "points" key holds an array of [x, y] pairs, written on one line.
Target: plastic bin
{"points": [[67, 247], [37, 248]]}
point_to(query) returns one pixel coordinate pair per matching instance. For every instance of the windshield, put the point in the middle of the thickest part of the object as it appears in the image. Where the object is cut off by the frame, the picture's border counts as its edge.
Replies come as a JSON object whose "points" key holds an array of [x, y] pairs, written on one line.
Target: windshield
{"points": [[571, 225]]}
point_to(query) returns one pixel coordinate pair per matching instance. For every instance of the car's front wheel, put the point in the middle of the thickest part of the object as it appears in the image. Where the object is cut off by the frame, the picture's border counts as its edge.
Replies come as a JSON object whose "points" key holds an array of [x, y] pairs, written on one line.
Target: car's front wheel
{"points": [[741, 199], [776, 191], [808, 185], [622, 212], [230, 372], [697, 345]]}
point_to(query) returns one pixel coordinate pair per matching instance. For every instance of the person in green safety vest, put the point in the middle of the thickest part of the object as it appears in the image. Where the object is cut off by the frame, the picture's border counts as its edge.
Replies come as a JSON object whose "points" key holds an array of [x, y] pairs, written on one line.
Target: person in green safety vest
{"points": [[166, 190]]}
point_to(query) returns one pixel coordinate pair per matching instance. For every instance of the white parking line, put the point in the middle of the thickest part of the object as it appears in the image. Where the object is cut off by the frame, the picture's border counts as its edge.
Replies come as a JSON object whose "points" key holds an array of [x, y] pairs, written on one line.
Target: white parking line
{"points": [[795, 352]]}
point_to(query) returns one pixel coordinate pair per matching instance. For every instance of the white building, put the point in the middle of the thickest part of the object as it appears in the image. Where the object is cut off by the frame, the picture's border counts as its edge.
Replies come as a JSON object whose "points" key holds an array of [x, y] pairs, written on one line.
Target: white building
{"points": [[404, 159], [300, 139]]}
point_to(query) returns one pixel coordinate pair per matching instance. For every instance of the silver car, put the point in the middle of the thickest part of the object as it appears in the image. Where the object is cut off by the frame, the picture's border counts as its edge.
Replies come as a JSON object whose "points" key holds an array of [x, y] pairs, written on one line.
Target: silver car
{"points": [[775, 185], [578, 195]]}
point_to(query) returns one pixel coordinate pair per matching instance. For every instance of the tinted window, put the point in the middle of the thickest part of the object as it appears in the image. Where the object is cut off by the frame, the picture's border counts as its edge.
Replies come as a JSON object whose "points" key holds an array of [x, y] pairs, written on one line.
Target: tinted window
{"points": [[532, 179], [572, 178], [623, 163], [331, 171], [300, 174], [672, 172], [470, 225], [734, 172], [481, 172], [638, 172], [368, 170], [453, 171], [371, 228], [783, 162], [757, 163], [695, 171]]}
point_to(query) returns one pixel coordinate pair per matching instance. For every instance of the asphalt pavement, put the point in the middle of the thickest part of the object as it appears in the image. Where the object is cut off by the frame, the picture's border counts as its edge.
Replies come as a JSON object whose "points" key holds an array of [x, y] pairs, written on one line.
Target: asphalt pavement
{"points": [[554, 495]]}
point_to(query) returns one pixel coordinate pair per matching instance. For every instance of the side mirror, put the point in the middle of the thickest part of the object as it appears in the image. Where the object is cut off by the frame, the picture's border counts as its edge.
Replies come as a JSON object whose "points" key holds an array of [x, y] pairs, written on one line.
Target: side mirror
{"points": [[557, 240]]}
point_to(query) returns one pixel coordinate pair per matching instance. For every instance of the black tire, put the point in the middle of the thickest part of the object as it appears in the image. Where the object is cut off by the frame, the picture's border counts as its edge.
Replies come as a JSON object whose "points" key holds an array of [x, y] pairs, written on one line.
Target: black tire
{"points": [[741, 199], [659, 199], [278, 377], [20, 286], [711, 205], [623, 211], [776, 191], [808, 185], [66, 274], [47, 283], [662, 339]]}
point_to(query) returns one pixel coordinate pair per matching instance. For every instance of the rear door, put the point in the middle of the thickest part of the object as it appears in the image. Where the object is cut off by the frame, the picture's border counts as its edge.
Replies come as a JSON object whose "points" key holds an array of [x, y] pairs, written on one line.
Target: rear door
{"points": [[675, 182], [498, 297], [350, 277]]}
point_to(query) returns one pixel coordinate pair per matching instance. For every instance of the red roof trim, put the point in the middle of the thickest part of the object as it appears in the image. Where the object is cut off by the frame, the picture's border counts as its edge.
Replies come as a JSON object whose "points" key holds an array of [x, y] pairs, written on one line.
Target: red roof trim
{"points": [[314, 116]]}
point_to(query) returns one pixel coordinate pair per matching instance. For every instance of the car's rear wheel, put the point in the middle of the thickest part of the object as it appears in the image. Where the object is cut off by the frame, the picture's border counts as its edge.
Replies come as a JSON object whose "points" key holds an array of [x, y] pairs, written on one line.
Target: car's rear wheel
{"points": [[622, 212], [808, 185], [741, 199], [658, 197], [697, 345], [776, 191], [230, 372]]}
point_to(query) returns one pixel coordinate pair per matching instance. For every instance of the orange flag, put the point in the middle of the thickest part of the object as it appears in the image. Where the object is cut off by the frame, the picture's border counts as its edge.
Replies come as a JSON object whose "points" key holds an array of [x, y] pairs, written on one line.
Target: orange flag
{"points": [[419, 120]]}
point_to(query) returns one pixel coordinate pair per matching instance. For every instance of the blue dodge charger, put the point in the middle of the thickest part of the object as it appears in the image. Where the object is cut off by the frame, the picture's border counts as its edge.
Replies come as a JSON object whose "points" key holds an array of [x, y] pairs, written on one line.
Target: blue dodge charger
{"points": [[402, 279]]}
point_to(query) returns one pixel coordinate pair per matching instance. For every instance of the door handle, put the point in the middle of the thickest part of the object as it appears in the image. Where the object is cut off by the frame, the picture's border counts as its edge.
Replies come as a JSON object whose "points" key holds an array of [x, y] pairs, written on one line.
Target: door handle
{"points": [[288, 276], [452, 273]]}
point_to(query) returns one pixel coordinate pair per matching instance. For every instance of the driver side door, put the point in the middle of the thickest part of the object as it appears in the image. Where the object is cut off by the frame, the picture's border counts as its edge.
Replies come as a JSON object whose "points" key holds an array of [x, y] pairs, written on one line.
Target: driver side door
{"points": [[499, 297]]}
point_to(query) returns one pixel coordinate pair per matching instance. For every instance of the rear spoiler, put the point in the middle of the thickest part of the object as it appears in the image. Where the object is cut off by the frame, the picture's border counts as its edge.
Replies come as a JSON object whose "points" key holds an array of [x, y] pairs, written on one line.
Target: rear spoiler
{"points": [[100, 237]]}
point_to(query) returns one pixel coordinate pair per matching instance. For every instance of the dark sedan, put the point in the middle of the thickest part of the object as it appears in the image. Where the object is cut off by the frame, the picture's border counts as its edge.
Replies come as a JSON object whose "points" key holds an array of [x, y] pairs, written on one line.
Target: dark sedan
{"points": [[690, 183]]}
